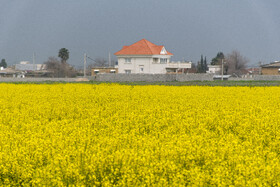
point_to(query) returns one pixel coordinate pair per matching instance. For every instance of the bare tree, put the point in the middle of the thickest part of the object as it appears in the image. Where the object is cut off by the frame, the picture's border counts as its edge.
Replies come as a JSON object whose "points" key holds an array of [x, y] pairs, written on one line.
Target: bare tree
{"points": [[53, 65], [100, 62], [70, 71], [235, 63], [60, 69], [96, 63]]}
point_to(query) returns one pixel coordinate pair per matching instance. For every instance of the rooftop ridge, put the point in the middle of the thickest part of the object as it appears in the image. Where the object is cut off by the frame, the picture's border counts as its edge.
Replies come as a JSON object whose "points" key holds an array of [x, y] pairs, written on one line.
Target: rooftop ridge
{"points": [[148, 45]]}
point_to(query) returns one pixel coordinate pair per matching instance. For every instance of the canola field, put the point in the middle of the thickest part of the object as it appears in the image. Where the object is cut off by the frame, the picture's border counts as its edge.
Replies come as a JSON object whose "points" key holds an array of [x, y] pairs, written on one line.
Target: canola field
{"points": [[121, 135]]}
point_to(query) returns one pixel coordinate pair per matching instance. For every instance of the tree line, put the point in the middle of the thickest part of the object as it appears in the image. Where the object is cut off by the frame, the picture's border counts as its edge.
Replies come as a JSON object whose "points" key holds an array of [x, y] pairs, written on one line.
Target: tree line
{"points": [[233, 63], [60, 68]]}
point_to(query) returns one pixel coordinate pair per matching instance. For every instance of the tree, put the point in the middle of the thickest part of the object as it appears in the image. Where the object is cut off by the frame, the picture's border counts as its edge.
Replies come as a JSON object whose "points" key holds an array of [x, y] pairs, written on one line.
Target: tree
{"points": [[54, 65], [202, 65], [226, 67], [199, 68], [205, 65], [60, 69], [3, 63], [96, 63], [236, 63], [66, 70], [218, 59], [100, 62], [193, 68], [63, 54]]}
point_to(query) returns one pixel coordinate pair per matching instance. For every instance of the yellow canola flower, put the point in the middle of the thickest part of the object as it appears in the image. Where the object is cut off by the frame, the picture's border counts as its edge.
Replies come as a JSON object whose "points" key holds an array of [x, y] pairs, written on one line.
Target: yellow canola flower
{"points": [[120, 135]]}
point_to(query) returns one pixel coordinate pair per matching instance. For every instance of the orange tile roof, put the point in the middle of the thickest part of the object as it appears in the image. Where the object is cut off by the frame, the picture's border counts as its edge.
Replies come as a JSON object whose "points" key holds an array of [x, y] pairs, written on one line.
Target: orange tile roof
{"points": [[142, 47]]}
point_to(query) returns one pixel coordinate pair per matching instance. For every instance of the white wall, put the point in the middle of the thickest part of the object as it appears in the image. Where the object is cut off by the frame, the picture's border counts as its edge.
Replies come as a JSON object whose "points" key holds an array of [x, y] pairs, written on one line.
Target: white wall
{"points": [[216, 69]]}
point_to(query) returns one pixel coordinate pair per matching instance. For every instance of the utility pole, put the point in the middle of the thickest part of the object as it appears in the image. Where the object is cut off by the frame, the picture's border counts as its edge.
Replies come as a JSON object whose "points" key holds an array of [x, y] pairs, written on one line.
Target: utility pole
{"points": [[85, 63], [33, 61], [109, 59], [222, 69]]}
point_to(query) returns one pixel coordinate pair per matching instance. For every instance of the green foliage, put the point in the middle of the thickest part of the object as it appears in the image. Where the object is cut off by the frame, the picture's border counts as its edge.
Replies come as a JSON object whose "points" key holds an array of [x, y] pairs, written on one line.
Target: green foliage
{"points": [[218, 59], [3, 63], [63, 54], [205, 64], [202, 65]]}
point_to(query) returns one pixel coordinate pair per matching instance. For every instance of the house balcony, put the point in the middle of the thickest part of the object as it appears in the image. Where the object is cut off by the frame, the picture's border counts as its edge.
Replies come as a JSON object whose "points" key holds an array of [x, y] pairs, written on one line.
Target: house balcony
{"points": [[178, 67]]}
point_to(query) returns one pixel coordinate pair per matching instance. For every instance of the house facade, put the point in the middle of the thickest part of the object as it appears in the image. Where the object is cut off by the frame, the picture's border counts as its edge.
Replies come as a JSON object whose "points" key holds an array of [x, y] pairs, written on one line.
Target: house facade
{"points": [[214, 69], [148, 58]]}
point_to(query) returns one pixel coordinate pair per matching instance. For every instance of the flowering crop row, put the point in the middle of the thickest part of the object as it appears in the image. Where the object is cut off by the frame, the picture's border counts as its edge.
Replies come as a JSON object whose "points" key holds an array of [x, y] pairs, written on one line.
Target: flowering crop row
{"points": [[109, 134]]}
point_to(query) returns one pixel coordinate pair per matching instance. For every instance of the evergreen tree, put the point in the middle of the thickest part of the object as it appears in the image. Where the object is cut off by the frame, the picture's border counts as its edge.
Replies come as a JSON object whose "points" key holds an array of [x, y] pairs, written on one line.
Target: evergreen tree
{"points": [[198, 67], [201, 64], [218, 59], [205, 65], [3, 63]]}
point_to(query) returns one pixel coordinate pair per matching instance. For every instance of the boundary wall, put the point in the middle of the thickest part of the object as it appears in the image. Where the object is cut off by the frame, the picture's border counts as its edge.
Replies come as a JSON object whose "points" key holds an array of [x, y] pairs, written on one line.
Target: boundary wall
{"points": [[142, 78], [267, 78], [152, 77]]}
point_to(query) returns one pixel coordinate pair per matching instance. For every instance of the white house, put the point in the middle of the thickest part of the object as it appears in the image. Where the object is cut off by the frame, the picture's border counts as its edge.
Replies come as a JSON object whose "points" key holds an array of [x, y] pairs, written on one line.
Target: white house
{"points": [[215, 69], [146, 57]]}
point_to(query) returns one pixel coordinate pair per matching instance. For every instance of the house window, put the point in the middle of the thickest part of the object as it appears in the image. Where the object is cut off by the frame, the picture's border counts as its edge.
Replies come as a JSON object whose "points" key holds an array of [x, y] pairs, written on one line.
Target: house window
{"points": [[163, 60], [112, 71], [127, 71], [127, 60], [96, 71], [155, 60], [141, 69]]}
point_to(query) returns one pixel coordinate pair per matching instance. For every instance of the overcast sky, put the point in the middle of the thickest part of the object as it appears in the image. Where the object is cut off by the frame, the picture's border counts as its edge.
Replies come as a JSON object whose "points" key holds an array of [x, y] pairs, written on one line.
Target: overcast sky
{"points": [[187, 28]]}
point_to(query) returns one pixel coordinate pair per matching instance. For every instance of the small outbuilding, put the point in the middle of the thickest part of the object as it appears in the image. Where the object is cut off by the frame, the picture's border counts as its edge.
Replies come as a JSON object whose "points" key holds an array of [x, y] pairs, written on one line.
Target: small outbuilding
{"points": [[271, 69], [9, 72]]}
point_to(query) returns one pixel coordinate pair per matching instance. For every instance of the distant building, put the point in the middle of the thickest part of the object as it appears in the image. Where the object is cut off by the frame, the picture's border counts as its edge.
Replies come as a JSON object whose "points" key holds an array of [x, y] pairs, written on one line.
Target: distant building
{"points": [[214, 69], [27, 66], [9, 72], [253, 71], [146, 57], [271, 69]]}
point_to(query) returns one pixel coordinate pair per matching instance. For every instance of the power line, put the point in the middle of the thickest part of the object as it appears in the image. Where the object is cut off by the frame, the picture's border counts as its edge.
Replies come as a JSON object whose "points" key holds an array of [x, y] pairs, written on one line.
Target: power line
{"points": [[90, 58]]}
